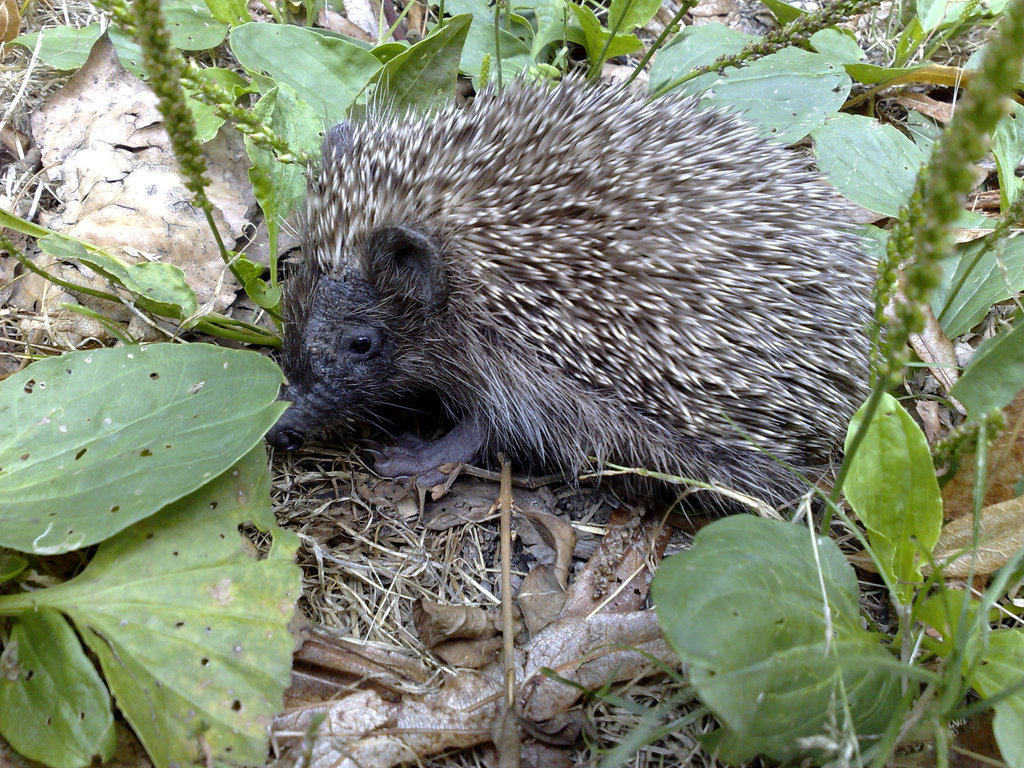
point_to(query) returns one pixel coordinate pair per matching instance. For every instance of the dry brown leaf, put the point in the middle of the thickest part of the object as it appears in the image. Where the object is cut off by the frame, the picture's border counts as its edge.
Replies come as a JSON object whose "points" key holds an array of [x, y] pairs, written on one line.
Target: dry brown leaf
{"points": [[1001, 537], [469, 654], [536, 755], [105, 149], [618, 576], [10, 20], [555, 534], [365, 730], [505, 737], [541, 598], [942, 111], [1005, 467], [388, 668], [436, 622], [590, 651], [930, 414], [469, 501], [936, 351]]}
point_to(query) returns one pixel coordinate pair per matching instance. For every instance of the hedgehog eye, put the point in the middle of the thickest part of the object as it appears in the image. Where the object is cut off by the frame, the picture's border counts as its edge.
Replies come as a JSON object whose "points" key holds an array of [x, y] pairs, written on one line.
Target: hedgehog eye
{"points": [[360, 345]]}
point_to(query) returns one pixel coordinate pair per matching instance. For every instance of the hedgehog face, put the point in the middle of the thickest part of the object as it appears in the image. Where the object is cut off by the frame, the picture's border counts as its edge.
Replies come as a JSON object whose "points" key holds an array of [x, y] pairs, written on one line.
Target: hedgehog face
{"points": [[340, 350]]}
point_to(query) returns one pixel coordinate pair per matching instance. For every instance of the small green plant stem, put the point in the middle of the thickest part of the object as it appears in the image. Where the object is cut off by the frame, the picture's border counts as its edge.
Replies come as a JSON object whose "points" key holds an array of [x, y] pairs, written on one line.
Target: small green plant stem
{"points": [[595, 66], [26, 262], [213, 323], [497, 42], [797, 32], [657, 44]]}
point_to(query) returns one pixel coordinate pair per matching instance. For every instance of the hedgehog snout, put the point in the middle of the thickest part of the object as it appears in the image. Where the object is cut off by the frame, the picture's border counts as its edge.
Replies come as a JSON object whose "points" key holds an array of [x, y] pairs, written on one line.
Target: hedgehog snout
{"points": [[285, 438]]}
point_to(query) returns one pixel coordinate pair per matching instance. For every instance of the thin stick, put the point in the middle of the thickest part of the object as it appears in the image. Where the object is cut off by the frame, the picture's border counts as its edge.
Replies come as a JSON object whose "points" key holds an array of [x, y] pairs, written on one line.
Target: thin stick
{"points": [[508, 632]]}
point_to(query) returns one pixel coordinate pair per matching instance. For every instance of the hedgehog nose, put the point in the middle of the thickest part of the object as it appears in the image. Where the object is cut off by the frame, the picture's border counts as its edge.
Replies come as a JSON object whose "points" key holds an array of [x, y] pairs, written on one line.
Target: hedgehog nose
{"points": [[285, 439]]}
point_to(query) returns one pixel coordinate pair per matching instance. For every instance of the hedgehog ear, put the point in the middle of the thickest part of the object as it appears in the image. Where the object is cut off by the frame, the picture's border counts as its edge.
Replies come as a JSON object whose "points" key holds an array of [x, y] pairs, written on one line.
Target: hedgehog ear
{"points": [[338, 141], [405, 263]]}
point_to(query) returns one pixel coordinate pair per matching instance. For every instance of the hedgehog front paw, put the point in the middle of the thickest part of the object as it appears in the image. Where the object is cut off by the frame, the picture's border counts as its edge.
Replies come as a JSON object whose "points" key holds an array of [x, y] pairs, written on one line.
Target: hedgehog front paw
{"points": [[414, 456]]}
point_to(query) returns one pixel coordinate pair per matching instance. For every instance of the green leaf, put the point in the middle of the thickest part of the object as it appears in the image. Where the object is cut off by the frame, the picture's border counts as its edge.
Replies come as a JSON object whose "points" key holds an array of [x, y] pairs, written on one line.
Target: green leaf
{"points": [[595, 37], [789, 94], [12, 565], [162, 288], [1001, 669], [53, 706], [192, 26], [695, 47], [1008, 149], [91, 442], [627, 15], [279, 187], [995, 375], [64, 48], [783, 12], [233, 12], [190, 624], [515, 52], [423, 77], [975, 279], [872, 74], [839, 46], [891, 485], [910, 39], [765, 614], [552, 25], [67, 249], [871, 164], [326, 72]]}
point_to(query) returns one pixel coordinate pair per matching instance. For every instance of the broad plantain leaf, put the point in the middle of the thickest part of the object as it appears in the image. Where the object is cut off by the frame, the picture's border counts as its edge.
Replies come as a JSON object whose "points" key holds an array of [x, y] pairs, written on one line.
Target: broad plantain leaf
{"points": [[891, 484], [766, 615], [54, 707], [190, 623], [91, 442]]}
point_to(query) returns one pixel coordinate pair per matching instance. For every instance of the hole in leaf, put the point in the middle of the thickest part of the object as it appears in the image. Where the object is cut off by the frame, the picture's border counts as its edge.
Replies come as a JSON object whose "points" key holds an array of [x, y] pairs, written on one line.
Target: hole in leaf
{"points": [[80, 454], [29, 674], [154, 375], [29, 386]]}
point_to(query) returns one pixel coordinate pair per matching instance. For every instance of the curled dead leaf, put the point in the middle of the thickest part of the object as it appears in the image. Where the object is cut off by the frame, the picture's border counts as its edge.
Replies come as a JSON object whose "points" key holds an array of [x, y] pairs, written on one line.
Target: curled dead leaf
{"points": [[436, 622], [541, 598], [1001, 536], [1005, 467], [10, 20], [589, 651], [367, 730]]}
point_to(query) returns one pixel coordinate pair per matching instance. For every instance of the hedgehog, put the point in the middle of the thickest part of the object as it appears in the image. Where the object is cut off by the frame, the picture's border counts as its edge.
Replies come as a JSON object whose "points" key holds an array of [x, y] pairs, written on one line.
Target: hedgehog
{"points": [[581, 277]]}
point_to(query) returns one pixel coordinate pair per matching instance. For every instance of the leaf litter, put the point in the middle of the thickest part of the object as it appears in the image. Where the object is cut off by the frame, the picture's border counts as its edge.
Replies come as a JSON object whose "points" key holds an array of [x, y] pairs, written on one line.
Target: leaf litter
{"points": [[402, 658]]}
